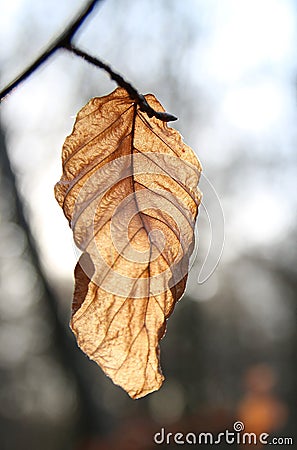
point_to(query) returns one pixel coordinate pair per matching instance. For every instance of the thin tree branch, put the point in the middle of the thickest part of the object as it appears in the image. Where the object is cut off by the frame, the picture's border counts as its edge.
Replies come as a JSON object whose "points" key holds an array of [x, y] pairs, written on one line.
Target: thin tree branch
{"points": [[64, 37], [133, 93], [65, 41]]}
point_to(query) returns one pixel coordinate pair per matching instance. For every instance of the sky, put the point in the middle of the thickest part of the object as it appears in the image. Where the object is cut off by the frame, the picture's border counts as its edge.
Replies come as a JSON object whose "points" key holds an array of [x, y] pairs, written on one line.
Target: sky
{"points": [[237, 69]]}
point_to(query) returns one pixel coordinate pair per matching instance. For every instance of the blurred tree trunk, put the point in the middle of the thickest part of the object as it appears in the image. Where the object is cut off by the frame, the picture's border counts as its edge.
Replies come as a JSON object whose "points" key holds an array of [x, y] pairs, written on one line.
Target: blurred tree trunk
{"points": [[90, 418]]}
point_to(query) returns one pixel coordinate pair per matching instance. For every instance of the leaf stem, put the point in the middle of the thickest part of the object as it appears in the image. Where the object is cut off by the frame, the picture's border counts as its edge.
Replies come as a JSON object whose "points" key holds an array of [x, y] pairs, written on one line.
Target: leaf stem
{"points": [[64, 40], [133, 93]]}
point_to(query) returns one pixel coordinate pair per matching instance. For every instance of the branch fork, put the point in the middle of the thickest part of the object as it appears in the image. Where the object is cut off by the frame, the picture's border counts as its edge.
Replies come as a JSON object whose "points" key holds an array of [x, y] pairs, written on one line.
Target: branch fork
{"points": [[65, 41]]}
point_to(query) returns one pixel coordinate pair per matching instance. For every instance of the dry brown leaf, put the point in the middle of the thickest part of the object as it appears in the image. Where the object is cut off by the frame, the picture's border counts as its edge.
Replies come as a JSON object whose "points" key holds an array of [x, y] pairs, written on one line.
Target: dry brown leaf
{"points": [[129, 191]]}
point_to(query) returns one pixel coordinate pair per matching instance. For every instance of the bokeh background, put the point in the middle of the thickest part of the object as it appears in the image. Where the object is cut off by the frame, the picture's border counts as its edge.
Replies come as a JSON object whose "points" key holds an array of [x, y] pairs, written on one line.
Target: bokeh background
{"points": [[228, 70]]}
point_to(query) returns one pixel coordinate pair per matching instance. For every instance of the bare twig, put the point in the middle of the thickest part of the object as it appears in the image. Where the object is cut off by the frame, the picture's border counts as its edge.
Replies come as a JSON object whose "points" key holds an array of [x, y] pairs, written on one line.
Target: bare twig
{"points": [[133, 93], [66, 36], [65, 41]]}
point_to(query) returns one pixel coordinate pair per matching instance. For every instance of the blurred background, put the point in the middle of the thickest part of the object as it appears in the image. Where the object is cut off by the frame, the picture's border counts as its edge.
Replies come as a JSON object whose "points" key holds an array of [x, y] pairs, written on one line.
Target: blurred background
{"points": [[228, 70]]}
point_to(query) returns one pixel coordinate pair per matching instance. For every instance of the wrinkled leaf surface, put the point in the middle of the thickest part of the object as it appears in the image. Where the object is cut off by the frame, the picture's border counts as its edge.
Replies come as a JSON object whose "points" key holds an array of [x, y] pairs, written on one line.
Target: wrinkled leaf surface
{"points": [[129, 192]]}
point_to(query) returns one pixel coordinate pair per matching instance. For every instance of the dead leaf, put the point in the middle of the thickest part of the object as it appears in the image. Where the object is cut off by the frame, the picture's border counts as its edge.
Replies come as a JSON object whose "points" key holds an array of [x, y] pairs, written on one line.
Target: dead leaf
{"points": [[129, 191]]}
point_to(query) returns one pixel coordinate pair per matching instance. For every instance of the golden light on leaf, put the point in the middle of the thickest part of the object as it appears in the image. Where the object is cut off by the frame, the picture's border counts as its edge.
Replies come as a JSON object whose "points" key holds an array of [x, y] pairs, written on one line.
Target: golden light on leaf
{"points": [[129, 191]]}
